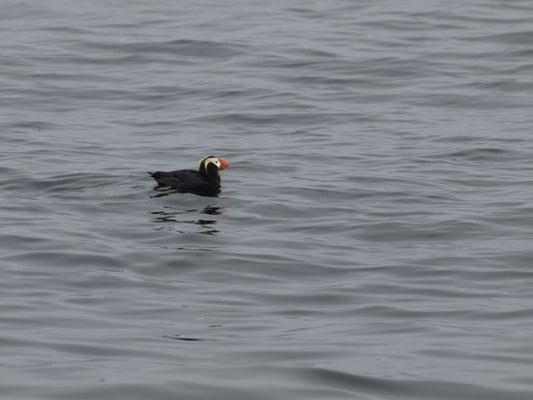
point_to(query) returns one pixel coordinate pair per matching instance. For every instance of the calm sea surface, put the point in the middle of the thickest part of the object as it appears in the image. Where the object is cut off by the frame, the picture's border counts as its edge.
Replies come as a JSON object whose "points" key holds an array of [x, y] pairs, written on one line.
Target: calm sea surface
{"points": [[374, 236]]}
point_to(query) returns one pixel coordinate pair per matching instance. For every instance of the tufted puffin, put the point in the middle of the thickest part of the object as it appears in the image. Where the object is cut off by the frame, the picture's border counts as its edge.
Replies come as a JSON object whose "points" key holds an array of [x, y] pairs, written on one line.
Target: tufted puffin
{"points": [[204, 182]]}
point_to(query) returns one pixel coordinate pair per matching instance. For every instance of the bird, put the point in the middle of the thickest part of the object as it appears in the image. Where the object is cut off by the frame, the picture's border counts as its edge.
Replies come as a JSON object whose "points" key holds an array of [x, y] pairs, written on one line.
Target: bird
{"points": [[204, 182]]}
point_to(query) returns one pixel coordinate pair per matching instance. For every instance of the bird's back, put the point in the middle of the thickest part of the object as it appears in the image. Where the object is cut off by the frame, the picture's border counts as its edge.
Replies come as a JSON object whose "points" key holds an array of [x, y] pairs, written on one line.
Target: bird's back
{"points": [[185, 181]]}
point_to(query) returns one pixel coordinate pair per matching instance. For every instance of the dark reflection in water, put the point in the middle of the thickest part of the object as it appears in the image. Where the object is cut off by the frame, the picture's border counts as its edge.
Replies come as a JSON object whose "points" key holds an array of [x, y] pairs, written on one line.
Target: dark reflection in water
{"points": [[174, 216], [184, 338]]}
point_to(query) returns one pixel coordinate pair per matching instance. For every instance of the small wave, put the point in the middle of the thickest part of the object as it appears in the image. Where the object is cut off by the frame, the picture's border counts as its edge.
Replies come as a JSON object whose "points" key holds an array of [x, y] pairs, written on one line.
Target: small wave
{"points": [[409, 388]]}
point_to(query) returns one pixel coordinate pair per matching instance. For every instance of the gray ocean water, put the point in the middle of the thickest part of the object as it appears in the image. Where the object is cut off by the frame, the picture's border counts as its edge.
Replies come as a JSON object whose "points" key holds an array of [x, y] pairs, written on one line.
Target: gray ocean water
{"points": [[373, 239]]}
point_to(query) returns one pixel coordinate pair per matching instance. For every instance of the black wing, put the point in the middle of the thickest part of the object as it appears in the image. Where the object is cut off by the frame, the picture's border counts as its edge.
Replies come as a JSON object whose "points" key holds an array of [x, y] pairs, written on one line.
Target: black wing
{"points": [[181, 180]]}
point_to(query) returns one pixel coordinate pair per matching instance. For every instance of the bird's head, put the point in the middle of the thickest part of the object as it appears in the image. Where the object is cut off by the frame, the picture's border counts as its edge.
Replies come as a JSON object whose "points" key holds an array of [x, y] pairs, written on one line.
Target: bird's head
{"points": [[212, 164]]}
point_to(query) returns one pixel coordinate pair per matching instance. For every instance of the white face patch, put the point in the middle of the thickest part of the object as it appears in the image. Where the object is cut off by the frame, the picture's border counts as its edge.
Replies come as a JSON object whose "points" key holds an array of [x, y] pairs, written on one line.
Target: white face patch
{"points": [[211, 160]]}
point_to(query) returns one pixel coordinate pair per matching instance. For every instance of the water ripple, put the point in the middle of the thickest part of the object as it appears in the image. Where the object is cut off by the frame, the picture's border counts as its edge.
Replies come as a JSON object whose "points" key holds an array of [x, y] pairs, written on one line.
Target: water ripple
{"points": [[373, 235]]}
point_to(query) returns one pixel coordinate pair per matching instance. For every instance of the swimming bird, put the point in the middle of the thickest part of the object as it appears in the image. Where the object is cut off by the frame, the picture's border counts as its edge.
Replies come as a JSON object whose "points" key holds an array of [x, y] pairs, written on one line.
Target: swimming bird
{"points": [[204, 182]]}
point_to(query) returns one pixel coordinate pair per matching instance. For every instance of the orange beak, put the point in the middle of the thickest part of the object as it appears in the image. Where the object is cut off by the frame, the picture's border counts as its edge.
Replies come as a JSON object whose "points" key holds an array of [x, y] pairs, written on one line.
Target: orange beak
{"points": [[224, 164]]}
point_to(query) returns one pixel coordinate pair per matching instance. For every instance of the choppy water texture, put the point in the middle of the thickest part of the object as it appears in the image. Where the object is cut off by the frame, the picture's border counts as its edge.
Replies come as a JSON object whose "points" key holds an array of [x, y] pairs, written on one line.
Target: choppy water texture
{"points": [[374, 235]]}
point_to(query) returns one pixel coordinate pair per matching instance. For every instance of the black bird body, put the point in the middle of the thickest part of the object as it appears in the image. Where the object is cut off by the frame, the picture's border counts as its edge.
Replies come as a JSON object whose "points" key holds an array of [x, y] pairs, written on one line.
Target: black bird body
{"points": [[204, 182]]}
